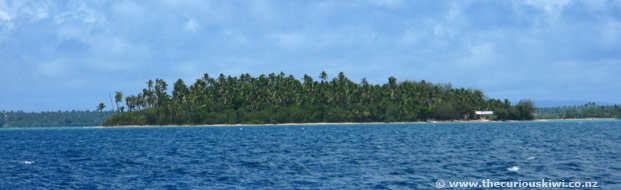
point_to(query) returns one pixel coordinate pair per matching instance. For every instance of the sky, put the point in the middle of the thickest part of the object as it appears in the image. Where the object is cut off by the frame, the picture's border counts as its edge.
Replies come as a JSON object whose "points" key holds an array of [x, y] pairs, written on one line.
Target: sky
{"points": [[69, 55]]}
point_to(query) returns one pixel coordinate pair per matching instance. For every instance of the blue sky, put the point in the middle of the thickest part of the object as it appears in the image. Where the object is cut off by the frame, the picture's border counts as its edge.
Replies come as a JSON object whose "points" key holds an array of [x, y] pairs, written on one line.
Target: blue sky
{"points": [[64, 55]]}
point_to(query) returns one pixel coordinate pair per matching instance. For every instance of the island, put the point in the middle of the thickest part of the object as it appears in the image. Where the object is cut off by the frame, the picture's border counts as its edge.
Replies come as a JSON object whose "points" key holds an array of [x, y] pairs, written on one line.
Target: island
{"points": [[278, 98]]}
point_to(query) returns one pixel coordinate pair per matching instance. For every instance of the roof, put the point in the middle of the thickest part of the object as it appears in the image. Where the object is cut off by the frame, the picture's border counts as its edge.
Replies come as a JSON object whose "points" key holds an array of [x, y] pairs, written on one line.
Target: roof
{"points": [[484, 112]]}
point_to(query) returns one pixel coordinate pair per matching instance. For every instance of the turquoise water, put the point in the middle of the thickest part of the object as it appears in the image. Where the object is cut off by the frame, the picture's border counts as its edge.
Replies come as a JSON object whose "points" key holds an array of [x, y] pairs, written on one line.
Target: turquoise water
{"points": [[367, 156]]}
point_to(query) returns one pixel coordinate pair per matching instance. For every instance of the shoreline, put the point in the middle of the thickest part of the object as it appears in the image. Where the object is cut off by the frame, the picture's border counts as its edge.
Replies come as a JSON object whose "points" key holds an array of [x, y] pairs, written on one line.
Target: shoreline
{"points": [[351, 123]]}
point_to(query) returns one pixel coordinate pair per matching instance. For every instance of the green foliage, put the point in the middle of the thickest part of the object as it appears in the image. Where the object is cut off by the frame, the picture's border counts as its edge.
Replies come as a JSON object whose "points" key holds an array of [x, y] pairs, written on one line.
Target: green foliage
{"points": [[524, 110], [118, 97], [277, 98], [53, 119], [101, 106], [589, 110]]}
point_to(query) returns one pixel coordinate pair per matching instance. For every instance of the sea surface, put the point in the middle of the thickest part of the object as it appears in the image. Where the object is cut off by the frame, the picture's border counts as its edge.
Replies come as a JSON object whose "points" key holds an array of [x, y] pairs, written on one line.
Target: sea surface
{"points": [[359, 156]]}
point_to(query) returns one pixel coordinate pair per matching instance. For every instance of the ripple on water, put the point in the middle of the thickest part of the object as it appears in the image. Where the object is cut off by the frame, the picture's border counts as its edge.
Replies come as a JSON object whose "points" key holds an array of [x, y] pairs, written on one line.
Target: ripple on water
{"points": [[28, 162], [383, 156]]}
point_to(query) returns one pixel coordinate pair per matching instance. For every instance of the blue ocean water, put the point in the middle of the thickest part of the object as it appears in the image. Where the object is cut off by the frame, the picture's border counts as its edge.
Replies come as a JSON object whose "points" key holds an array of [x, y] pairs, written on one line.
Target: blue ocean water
{"points": [[366, 156]]}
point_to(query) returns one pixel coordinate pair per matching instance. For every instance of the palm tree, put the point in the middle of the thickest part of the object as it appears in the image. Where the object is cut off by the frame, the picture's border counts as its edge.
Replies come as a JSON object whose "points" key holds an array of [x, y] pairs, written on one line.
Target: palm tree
{"points": [[101, 106], [323, 76], [131, 103], [148, 94], [281, 98], [160, 92], [180, 91], [118, 97], [150, 84]]}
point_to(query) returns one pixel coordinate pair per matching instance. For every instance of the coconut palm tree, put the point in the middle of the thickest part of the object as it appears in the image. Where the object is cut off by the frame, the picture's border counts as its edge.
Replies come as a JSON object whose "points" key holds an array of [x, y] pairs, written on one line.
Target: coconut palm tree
{"points": [[101, 106], [118, 97]]}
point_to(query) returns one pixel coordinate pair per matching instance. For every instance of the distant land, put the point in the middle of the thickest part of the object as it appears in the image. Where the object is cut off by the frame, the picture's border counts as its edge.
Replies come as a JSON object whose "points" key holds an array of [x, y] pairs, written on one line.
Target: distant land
{"points": [[53, 118], [561, 103]]}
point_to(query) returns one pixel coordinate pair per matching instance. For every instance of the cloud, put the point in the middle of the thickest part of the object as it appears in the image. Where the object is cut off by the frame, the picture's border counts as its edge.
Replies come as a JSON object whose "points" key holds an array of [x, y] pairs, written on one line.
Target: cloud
{"points": [[5, 16], [191, 25], [515, 50], [79, 12], [5, 11], [553, 9], [454, 12]]}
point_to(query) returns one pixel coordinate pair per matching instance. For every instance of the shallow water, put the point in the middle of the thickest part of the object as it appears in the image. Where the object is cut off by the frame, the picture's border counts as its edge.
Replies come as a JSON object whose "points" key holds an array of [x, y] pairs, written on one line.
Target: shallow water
{"points": [[369, 156]]}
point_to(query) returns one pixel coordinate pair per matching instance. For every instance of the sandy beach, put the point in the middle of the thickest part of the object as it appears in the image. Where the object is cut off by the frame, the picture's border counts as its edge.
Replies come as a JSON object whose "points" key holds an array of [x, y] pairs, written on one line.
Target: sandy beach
{"points": [[349, 123]]}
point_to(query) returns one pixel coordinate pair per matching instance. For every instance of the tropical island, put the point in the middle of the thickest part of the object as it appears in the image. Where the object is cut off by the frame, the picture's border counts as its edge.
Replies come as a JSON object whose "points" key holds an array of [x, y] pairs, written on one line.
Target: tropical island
{"points": [[278, 98], [281, 99]]}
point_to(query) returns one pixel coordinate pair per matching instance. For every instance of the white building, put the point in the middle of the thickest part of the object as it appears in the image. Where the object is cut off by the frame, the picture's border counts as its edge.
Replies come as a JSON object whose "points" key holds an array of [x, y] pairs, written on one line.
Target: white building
{"points": [[483, 114]]}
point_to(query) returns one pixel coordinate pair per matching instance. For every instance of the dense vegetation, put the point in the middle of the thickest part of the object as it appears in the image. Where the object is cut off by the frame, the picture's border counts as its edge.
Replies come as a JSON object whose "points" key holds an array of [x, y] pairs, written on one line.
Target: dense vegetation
{"points": [[53, 119], [277, 98], [589, 110]]}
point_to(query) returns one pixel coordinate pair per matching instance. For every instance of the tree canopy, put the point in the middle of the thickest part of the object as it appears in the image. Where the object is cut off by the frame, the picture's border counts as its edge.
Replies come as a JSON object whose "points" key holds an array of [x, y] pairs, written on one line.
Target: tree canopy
{"points": [[278, 98], [54, 118], [588, 110]]}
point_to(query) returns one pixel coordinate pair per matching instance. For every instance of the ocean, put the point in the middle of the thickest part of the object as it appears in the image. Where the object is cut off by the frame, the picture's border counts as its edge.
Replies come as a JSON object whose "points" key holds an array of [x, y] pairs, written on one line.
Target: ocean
{"points": [[353, 156]]}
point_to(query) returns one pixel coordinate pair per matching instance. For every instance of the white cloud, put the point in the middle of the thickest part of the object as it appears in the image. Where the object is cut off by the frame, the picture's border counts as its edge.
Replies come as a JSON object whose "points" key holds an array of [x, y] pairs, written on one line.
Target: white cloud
{"points": [[453, 12], [443, 29], [30, 10], [41, 14], [36, 10], [5, 11], [452, 23], [191, 25], [5, 16], [440, 42], [81, 13], [553, 9]]}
